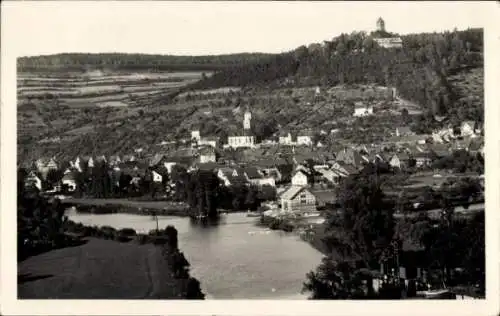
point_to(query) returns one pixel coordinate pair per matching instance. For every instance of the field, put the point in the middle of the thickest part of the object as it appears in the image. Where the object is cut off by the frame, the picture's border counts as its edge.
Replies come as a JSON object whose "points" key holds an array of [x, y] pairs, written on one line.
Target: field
{"points": [[99, 269], [57, 109]]}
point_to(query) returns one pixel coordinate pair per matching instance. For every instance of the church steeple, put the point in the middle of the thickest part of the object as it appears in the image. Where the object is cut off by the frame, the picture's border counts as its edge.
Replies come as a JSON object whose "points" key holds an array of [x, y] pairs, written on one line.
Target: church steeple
{"points": [[247, 120]]}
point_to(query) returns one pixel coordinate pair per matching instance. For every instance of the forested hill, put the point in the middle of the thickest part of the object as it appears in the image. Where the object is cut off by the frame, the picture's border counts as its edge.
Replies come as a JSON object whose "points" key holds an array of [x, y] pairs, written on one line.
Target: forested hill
{"points": [[423, 71], [122, 61]]}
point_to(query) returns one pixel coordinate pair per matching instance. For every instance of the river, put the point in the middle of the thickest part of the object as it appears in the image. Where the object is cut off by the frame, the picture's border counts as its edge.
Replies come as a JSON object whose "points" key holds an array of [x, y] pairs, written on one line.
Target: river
{"points": [[233, 260]]}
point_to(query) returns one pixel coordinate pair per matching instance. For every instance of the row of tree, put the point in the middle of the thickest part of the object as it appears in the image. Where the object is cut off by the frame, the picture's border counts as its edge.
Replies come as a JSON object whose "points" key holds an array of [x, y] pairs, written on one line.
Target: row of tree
{"points": [[122, 61]]}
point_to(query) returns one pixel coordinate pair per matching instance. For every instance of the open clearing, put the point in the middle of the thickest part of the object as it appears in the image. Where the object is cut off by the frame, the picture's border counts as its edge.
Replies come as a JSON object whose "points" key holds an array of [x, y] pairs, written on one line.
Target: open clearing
{"points": [[99, 269]]}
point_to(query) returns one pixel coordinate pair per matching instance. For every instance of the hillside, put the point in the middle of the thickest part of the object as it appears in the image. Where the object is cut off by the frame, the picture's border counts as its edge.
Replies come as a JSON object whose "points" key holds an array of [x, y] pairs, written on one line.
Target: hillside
{"points": [[420, 70], [117, 111]]}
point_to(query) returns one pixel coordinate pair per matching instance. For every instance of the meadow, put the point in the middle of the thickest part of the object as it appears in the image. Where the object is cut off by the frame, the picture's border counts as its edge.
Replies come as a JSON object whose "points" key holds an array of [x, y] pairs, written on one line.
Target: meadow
{"points": [[99, 269]]}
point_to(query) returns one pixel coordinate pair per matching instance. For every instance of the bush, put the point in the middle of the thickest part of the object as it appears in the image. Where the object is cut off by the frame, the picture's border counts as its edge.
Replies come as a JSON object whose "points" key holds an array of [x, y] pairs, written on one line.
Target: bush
{"points": [[121, 238], [127, 232]]}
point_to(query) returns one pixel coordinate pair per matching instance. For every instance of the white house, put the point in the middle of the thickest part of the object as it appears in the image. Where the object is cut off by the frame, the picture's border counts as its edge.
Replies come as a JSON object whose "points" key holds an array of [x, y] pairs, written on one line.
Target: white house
{"points": [[389, 42], [299, 178], [362, 109], [195, 136], [286, 139], [207, 155], [305, 138], [69, 181], [197, 140], [157, 177], [467, 128], [33, 180]]}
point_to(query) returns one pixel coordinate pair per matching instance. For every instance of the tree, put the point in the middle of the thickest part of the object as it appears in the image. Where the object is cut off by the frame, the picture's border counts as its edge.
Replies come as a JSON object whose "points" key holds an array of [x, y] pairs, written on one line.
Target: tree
{"points": [[361, 235], [405, 115]]}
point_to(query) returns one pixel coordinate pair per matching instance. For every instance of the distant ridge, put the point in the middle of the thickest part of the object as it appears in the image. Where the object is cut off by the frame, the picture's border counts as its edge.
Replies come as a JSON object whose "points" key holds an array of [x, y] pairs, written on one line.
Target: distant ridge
{"points": [[133, 61]]}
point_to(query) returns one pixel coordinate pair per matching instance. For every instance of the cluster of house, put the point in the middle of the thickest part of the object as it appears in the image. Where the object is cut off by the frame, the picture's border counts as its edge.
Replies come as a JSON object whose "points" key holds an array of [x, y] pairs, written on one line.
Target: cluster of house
{"points": [[301, 186]]}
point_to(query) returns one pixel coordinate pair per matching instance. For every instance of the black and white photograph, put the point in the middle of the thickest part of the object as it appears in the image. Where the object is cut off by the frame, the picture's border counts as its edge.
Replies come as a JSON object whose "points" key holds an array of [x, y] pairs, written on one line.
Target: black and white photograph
{"points": [[224, 150]]}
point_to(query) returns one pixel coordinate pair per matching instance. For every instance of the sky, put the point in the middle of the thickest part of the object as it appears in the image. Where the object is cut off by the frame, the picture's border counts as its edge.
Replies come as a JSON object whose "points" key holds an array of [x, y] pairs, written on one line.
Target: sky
{"points": [[206, 28]]}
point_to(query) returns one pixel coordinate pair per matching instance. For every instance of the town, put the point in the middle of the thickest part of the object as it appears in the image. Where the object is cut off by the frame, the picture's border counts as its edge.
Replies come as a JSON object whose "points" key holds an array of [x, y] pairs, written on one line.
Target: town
{"points": [[373, 156]]}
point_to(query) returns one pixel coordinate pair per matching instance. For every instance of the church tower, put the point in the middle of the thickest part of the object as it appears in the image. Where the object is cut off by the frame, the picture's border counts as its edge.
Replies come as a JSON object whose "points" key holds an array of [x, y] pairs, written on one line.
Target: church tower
{"points": [[380, 25], [246, 120]]}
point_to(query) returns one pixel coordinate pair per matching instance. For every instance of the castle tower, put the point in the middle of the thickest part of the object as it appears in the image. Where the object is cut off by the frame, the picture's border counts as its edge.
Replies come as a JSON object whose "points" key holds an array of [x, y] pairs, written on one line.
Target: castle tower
{"points": [[246, 120], [380, 25]]}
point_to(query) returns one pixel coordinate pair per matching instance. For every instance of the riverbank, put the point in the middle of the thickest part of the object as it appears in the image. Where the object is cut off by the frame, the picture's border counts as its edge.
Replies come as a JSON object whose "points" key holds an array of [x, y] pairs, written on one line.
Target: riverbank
{"points": [[126, 206]]}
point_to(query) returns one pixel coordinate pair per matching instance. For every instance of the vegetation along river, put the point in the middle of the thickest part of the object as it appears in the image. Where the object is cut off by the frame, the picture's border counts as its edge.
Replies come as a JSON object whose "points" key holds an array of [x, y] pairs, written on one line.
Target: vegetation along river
{"points": [[234, 259]]}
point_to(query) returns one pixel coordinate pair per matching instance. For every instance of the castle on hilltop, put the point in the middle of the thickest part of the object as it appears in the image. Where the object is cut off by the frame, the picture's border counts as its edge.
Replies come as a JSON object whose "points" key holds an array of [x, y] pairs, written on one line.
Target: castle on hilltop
{"points": [[384, 38]]}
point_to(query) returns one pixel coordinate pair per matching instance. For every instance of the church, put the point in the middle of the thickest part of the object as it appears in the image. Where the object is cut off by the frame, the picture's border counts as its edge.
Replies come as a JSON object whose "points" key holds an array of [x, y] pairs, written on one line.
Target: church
{"points": [[245, 138]]}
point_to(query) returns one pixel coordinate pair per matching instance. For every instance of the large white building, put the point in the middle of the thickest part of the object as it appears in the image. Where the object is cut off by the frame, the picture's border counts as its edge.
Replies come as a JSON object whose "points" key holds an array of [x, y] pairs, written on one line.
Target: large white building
{"points": [[244, 139]]}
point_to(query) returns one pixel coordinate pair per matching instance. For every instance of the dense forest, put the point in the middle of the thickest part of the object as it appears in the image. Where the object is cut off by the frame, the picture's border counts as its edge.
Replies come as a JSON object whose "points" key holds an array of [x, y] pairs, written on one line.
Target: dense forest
{"points": [[133, 62], [420, 71]]}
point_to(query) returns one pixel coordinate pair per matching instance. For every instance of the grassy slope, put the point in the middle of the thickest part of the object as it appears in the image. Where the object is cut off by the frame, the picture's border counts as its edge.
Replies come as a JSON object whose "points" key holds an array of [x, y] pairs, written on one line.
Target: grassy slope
{"points": [[100, 269]]}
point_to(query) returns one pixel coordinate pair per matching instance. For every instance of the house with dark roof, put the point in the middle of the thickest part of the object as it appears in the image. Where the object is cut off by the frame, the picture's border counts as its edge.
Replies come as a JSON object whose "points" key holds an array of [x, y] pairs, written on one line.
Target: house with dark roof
{"points": [[422, 159], [350, 157], [298, 199], [33, 179], [403, 131], [476, 146], [44, 165], [258, 178], [232, 176], [439, 150], [399, 160], [207, 154], [157, 160]]}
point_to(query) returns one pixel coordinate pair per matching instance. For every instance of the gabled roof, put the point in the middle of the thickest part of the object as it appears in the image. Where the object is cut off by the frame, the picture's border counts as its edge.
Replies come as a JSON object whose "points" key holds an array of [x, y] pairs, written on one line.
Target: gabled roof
{"points": [[253, 172], [156, 159], [242, 132], [69, 176], [292, 192], [207, 151], [208, 166], [404, 130], [307, 174], [476, 144], [470, 123], [402, 156], [421, 155]]}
